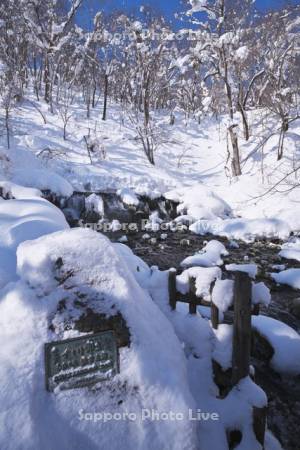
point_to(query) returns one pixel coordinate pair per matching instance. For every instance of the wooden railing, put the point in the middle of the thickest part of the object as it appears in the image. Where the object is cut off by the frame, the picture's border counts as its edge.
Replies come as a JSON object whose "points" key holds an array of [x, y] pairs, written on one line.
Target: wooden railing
{"points": [[242, 335]]}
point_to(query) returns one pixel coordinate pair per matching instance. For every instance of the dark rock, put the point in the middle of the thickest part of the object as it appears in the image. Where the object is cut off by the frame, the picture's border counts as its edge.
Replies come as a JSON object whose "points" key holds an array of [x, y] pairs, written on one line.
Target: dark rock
{"points": [[94, 322], [295, 307], [261, 349]]}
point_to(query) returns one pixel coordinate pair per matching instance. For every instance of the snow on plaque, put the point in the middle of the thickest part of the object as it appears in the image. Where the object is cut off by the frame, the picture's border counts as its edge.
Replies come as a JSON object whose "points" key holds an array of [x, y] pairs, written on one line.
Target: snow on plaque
{"points": [[82, 361]]}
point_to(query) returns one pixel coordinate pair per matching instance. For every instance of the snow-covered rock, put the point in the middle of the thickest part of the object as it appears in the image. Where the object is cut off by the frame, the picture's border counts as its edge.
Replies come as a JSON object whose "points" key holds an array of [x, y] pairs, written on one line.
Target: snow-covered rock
{"points": [[291, 277], [95, 203], [22, 219], [199, 202], [285, 342], [128, 197], [152, 376], [243, 229], [291, 249], [209, 256]]}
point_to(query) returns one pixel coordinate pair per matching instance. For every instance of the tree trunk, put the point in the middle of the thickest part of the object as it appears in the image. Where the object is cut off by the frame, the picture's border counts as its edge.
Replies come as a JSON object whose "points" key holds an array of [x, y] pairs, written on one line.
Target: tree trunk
{"points": [[105, 97], [7, 127], [47, 79], [245, 122], [235, 159]]}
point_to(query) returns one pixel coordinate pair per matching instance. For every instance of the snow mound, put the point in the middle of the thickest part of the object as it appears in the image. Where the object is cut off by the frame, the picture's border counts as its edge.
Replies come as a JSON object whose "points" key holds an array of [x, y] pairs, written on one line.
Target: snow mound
{"points": [[199, 202], [291, 250], [12, 190], [95, 203], [128, 197], [291, 277], [244, 229], [152, 376], [209, 256], [43, 179], [27, 218], [285, 342]]}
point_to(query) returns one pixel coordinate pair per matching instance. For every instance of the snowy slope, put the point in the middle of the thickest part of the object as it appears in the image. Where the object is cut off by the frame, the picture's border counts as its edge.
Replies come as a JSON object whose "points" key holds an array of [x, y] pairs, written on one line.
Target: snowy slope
{"points": [[193, 154]]}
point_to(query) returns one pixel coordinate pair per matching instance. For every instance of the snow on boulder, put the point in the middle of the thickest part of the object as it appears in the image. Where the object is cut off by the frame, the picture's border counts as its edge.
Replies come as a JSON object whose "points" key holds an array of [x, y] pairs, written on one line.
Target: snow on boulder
{"points": [[209, 256], [12, 190], [200, 202], [291, 250], [94, 203], [136, 265], [128, 197], [244, 229], [29, 217], [62, 277], [43, 179], [290, 277], [285, 342]]}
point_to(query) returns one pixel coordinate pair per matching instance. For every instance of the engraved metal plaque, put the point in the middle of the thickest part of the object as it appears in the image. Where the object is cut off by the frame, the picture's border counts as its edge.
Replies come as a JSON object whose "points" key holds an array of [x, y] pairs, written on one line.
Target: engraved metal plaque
{"points": [[82, 361]]}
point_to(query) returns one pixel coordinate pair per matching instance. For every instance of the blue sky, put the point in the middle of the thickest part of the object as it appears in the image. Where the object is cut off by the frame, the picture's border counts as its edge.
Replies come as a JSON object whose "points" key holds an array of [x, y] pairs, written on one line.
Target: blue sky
{"points": [[167, 7]]}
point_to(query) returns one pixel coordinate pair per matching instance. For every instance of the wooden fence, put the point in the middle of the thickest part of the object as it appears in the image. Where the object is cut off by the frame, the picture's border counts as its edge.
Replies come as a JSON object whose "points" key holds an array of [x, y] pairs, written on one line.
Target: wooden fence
{"points": [[242, 335]]}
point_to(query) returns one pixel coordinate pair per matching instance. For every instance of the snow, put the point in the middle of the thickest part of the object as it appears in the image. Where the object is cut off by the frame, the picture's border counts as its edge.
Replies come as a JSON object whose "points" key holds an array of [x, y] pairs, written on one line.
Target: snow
{"points": [[44, 180], [154, 376], [209, 256], [222, 294], [243, 229], [260, 294], [199, 202], [291, 277], [222, 346], [95, 203], [291, 249], [285, 342], [128, 197], [191, 170], [201, 344], [250, 269], [12, 190], [204, 276], [27, 217], [242, 53]]}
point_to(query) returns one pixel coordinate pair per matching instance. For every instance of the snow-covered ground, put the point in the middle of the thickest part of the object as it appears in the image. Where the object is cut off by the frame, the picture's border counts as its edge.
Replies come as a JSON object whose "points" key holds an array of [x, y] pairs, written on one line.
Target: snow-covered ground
{"points": [[190, 166], [168, 366]]}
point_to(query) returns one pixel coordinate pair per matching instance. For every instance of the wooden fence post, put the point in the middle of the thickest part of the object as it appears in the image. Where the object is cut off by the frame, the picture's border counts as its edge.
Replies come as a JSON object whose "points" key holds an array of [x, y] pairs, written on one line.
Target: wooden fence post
{"points": [[172, 288], [259, 417], [214, 310], [193, 305], [241, 345]]}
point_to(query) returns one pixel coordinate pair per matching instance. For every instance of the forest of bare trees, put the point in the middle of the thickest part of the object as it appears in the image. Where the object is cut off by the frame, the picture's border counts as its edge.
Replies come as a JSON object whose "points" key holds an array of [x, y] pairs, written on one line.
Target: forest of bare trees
{"points": [[227, 59]]}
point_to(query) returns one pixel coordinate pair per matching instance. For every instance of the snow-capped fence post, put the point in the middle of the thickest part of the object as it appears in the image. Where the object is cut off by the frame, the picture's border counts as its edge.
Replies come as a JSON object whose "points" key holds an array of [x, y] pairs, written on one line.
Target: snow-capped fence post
{"points": [[241, 345], [172, 288], [193, 302]]}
